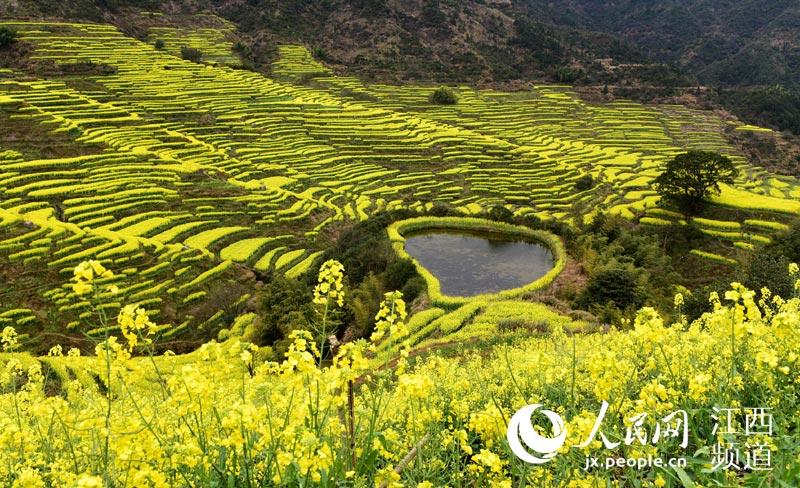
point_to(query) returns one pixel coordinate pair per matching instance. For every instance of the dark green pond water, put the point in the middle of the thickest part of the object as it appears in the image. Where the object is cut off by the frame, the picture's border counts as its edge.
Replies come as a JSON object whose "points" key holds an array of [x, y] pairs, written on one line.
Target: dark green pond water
{"points": [[469, 265]]}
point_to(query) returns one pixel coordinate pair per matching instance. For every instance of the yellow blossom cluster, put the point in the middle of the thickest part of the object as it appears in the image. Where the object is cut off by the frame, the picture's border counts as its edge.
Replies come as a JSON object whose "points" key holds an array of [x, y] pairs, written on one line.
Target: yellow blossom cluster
{"points": [[9, 338], [133, 323], [329, 284], [390, 317], [218, 417], [86, 272]]}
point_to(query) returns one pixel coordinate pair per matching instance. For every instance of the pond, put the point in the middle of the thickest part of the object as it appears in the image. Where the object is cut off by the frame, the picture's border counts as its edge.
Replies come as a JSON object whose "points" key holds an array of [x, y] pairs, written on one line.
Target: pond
{"points": [[472, 264]]}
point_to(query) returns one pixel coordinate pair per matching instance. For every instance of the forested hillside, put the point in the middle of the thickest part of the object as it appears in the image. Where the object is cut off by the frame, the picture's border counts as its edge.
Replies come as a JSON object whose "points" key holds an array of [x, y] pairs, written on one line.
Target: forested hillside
{"points": [[646, 50]]}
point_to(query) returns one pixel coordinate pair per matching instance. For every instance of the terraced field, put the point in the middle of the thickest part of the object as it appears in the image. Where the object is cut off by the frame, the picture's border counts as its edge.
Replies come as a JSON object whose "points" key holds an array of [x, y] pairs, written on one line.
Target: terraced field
{"points": [[185, 177]]}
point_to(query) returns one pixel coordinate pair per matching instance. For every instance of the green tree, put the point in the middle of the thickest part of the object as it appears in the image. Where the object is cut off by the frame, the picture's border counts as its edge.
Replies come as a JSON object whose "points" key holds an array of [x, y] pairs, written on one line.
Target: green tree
{"points": [[7, 36], [690, 178], [191, 54], [770, 271], [444, 95], [616, 286]]}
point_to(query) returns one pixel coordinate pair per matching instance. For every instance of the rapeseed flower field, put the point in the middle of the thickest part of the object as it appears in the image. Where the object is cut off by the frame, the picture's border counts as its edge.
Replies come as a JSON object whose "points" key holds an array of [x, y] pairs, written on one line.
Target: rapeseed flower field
{"points": [[187, 179], [708, 403]]}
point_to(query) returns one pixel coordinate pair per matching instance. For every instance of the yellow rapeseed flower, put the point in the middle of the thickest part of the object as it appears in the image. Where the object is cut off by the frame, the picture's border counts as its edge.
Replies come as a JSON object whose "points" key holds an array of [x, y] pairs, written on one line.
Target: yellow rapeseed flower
{"points": [[132, 323], [390, 317], [88, 481], [329, 286], [490, 460], [85, 273], [81, 287], [29, 477], [9, 338]]}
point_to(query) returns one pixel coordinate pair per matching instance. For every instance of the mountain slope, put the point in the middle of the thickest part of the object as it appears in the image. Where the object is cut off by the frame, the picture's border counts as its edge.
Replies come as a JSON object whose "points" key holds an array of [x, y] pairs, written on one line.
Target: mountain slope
{"points": [[629, 48], [498, 39], [714, 39]]}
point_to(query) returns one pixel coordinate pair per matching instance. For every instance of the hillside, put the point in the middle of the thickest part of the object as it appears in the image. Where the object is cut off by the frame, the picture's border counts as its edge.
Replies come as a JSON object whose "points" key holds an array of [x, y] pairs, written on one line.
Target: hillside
{"points": [[196, 180], [628, 49], [712, 39], [164, 212], [501, 40], [709, 40], [387, 40]]}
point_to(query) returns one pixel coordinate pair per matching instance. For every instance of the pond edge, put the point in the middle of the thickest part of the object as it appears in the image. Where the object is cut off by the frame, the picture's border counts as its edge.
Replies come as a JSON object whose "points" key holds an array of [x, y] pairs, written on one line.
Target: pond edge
{"points": [[551, 241]]}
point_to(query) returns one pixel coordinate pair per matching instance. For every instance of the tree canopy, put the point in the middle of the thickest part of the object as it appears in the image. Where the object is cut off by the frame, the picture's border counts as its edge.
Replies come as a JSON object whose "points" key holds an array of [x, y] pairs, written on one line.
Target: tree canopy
{"points": [[691, 178], [7, 36], [444, 95]]}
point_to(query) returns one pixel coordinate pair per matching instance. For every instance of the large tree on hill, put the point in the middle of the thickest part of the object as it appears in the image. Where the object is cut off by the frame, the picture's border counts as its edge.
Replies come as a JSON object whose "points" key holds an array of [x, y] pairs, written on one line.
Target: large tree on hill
{"points": [[691, 178]]}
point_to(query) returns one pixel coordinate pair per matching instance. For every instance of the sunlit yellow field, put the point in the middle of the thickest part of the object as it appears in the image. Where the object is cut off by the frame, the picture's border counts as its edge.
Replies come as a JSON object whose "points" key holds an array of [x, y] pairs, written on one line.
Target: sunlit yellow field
{"points": [[720, 394]]}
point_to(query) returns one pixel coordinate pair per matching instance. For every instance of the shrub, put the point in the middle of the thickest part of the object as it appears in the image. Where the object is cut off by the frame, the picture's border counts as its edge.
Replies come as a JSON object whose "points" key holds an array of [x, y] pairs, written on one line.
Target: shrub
{"points": [[320, 53], [770, 271], [501, 214], [584, 183], [7, 36], [444, 95], [87, 68], [191, 54], [159, 44], [414, 288], [614, 285], [399, 272], [786, 244], [283, 307]]}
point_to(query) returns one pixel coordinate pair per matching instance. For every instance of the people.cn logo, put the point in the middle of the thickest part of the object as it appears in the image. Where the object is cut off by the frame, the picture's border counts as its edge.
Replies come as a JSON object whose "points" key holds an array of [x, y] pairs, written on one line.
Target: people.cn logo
{"points": [[521, 431]]}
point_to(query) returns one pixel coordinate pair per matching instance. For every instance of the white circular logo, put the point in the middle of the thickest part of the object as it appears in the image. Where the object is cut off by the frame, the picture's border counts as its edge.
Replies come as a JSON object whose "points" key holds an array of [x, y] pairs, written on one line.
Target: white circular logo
{"points": [[521, 427]]}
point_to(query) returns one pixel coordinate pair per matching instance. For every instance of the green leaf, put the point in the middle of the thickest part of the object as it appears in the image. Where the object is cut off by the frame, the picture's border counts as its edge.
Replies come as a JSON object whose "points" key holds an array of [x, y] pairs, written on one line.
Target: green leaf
{"points": [[685, 479]]}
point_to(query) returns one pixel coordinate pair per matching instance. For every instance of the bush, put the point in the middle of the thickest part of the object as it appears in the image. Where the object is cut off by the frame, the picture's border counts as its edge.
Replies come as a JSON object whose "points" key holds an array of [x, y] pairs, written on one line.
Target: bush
{"points": [[7, 36], [283, 306], [320, 53], [617, 286], [584, 183], [399, 272], [444, 95], [159, 44], [786, 244], [414, 288], [501, 214], [191, 54], [772, 272]]}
